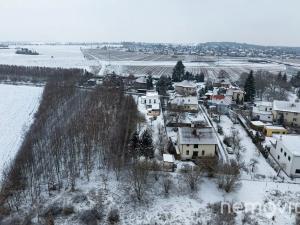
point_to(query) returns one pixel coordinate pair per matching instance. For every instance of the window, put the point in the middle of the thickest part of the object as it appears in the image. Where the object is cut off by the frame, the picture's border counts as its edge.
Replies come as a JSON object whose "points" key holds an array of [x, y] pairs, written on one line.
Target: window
{"points": [[278, 157], [154, 101], [285, 154], [187, 152], [289, 158], [281, 150], [203, 152], [188, 145], [295, 119], [195, 146], [297, 171], [149, 101]]}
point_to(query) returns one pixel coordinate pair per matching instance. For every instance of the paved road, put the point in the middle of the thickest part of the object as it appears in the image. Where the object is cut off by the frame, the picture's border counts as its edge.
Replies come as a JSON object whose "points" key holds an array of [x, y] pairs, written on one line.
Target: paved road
{"points": [[221, 149]]}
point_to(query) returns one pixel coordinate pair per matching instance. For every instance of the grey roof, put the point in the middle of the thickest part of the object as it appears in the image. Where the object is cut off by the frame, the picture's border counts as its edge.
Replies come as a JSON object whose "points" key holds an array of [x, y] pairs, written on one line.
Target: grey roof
{"points": [[204, 136], [286, 106]]}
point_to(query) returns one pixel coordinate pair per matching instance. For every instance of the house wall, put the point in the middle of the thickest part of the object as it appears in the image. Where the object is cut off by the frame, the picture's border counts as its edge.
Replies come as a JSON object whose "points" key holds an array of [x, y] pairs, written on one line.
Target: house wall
{"points": [[269, 132], [263, 117], [186, 90], [186, 151], [185, 107], [282, 157], [152, 100], [290, 118], [237, 95]]}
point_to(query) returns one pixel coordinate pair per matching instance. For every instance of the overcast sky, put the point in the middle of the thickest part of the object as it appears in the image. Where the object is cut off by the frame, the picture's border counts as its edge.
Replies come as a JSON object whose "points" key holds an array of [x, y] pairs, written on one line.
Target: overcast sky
{"points": [[268, 22]]}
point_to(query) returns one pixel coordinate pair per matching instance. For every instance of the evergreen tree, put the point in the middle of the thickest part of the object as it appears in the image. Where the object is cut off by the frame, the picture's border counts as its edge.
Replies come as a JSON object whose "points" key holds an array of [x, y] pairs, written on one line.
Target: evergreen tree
{"points": [[279, 77], [249, 88], [298, 93], [164, 83], [146, 144], [284, 78], [178, 72], [199, 77], [295, 81], [149, 82], [188, 76]]}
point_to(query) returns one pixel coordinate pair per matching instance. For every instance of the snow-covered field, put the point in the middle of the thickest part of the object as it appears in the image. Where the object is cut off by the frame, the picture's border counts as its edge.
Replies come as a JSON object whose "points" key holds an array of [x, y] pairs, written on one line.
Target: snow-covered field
{"points": [[64, 56], [17, 107]]}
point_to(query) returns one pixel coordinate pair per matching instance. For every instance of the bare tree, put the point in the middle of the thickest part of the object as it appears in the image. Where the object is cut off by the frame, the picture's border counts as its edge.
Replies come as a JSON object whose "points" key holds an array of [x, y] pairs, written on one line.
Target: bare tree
{"points": [[138, 179], [167, 184], [192, 177], [228, 176]]}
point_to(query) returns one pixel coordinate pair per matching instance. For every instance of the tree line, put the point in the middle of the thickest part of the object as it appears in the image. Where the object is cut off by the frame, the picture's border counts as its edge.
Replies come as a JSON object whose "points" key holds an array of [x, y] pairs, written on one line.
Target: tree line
{"points": [[35, 74], [74, 133]]}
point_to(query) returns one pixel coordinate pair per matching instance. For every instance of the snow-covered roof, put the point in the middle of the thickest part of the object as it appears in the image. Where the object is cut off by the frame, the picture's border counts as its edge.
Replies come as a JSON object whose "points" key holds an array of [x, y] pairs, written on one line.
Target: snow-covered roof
{"points": [[142, 80], [204, 136], [182, 100], [275, 127], [285, 106], [258, 123], [152, 94], [168, 158], [186, 83], [291, 142]]}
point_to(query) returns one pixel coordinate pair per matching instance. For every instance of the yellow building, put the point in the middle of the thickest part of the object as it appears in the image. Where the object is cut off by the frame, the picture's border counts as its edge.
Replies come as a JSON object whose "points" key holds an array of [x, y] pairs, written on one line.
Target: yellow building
{"points": [[270, 130]]}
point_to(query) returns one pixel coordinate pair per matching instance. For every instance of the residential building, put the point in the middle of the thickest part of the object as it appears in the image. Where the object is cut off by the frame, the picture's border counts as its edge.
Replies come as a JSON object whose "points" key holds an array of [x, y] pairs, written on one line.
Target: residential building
{"points": [[184, 103], [186, 88], [193, 143], [262, 111], [152, 102], [140, 83], [236, 94], [269, 131], [287, 113], [286, 151]]}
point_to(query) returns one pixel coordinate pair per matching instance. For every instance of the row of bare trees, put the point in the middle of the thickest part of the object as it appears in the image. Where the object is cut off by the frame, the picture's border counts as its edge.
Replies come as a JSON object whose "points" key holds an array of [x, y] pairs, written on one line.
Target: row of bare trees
{"points": [[36, 74], [75, 132]]}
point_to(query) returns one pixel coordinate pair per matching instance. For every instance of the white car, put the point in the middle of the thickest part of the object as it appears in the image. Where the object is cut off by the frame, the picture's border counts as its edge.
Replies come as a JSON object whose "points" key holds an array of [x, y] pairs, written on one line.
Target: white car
{"points": [[229, 150]]}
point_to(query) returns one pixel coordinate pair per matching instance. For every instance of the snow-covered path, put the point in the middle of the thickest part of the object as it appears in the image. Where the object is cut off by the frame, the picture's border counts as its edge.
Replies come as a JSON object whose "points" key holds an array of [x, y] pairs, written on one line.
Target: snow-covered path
{"points": [[17, 107]]}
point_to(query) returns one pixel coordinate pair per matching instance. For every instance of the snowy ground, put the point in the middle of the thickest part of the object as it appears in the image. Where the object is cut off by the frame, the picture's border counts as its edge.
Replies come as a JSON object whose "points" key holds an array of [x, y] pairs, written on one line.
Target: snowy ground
{"points": [[50, 56], [17, 107], [250, 152]]}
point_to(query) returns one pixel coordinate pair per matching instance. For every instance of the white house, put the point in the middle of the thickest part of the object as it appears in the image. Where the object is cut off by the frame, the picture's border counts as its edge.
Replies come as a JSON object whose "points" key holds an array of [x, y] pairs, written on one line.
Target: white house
{"points": [[152, 102], [288, 112], [184, 103], [195, 143], [285, 149], [263, 111], [186, 88]]}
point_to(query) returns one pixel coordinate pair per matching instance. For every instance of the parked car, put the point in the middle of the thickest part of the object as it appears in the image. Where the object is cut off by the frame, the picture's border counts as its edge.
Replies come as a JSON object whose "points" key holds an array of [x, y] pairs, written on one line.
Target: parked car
{"points": [[229, 150]]}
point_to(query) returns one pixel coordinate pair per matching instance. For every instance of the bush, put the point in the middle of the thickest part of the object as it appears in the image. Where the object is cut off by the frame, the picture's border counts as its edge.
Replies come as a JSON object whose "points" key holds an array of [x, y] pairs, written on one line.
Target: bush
{"points": [[79, 198], [68, 210], [90, 217], [113, 216], [53, 210]]}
